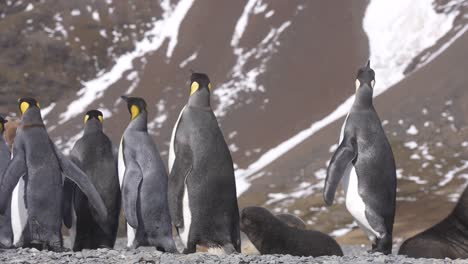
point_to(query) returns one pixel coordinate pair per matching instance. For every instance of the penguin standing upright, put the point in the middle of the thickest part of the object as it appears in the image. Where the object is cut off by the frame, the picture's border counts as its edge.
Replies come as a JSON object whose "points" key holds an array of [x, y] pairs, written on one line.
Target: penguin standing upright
{"points": [[143, 182], [365, 164], [202, 187], [93, 153], [40, 165], [6, 233]]}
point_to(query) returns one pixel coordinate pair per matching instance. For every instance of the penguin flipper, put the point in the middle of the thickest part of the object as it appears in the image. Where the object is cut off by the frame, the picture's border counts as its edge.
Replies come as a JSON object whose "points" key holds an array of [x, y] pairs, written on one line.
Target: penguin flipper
{"points": [[130, 192], [180, 171], [15, 170], [74, 173], [342, 158], [68, 187]]}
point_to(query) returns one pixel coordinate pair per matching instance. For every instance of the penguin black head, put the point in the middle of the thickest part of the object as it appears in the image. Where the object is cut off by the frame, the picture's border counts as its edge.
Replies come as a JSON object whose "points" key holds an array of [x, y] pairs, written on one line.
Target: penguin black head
{"points": [[96, 114], [2, 124], [26, 103], [365, 75], [135, 105], [199, 81]]}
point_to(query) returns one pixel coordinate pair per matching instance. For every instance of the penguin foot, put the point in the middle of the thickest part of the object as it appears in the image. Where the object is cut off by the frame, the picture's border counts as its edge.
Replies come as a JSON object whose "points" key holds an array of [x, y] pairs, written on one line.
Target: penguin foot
{"points": [[383, 245], [190, 250]]}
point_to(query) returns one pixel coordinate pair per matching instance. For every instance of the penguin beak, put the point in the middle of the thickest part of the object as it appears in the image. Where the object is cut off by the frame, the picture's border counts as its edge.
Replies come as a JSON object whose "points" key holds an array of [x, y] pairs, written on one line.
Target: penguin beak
{"points": [[368, 65], [125, 98]]}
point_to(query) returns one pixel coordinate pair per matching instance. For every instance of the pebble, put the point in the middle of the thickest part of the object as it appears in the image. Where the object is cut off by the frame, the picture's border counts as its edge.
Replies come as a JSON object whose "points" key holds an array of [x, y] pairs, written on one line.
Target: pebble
{"points": [[354, 254]]}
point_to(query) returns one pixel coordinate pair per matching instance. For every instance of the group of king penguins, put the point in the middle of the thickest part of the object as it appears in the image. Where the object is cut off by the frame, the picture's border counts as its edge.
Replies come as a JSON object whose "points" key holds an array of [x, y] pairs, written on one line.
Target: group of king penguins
{"points": [[41, 188]]}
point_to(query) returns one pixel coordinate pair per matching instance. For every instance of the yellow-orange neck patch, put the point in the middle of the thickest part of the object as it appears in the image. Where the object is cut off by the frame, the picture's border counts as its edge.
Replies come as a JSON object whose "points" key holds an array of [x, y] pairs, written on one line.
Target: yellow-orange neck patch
{"points": [[23, 107], [135, 111], [194, 87]]}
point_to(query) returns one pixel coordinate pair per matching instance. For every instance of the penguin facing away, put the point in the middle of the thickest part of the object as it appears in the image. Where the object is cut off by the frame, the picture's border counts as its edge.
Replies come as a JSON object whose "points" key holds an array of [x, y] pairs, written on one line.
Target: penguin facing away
{"points": [[365, 164], [143, 182], [93, 153], [202, 187], [40, 165], [6, 232]]}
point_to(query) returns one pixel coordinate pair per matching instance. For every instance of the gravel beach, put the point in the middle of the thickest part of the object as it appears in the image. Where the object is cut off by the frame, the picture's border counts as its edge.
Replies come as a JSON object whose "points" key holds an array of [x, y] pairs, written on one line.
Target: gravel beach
{"points": [[353, 254]]}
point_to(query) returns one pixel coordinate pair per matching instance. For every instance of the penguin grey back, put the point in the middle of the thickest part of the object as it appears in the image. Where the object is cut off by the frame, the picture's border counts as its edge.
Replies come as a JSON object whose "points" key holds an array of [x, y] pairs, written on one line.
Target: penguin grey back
{"points": [[143, 179], [93, 153]]}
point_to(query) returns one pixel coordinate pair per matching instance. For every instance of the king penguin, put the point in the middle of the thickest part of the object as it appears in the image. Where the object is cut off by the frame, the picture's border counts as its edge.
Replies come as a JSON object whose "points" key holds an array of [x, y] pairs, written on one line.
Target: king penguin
{"points": [[40, 165], [202, 187], [93, 153], [143, 182], [364, 163], [6, 232]]}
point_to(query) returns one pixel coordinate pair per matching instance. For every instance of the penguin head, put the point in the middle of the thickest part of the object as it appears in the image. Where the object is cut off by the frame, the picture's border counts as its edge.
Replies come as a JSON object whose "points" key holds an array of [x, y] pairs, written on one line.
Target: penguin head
{"points": [[96, 114], [199, 82], [2, 124], [136, 105], [365, 76], [27, 103]]}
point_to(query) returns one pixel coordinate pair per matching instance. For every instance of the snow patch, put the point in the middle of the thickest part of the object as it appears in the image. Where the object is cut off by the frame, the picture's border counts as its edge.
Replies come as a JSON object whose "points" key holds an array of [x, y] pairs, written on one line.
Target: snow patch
{"points": [[29, 7], [166, 28], [412, 130], [95, 16], [75, 12], [386, 24], [242, 22], [452, 173], [188, 60], [411, 144], [45, 111], [343, 231]]}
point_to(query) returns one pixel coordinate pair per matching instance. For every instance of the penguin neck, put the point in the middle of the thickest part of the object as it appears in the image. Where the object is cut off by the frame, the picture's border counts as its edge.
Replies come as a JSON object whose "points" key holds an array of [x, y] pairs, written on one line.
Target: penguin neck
{"points": [[363, 97], [32, 117], [200, 99], [92, 126], [140, 123]]}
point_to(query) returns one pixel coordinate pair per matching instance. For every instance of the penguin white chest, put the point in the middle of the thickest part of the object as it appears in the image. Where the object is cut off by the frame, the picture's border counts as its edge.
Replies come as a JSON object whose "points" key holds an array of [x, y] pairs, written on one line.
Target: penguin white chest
{"points": [[354, 202], [19, 213], [121, 163], [171, 145]]}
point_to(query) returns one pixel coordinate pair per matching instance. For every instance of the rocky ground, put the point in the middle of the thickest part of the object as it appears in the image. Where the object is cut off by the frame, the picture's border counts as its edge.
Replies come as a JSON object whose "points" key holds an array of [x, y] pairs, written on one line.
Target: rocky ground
{"points": [[353, 254]]}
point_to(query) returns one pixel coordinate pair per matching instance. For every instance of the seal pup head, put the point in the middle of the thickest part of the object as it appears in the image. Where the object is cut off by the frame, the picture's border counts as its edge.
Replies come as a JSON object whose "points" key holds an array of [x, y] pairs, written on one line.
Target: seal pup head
{"points": [[136, 105], [365, 76], [254, 219]]}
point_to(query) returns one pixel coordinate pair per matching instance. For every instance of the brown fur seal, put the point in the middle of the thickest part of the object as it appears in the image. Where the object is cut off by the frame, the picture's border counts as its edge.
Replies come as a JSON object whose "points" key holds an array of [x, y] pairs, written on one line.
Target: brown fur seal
{"points": [[270, 235], [447, 239], [292, 220]]}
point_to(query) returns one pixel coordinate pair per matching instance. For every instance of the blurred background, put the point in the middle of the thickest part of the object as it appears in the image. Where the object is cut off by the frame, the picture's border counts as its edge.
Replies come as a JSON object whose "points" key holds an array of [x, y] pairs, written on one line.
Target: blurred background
{"points": [[283, 75]]}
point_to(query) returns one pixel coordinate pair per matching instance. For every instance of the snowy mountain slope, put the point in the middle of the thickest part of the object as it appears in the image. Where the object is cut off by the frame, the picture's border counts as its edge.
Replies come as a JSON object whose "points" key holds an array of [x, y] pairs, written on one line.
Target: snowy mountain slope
{"points": [[283, 74]]}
